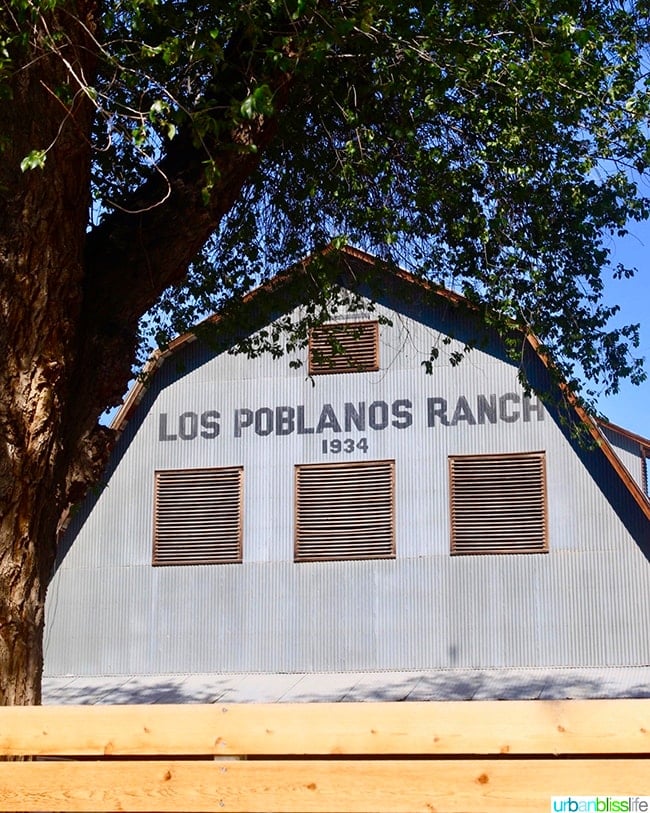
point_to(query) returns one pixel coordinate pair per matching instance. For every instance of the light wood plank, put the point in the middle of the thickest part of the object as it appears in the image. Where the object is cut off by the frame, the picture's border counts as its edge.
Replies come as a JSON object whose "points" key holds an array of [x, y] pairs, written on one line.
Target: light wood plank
{"points": [[515, 727], [362, 786]]}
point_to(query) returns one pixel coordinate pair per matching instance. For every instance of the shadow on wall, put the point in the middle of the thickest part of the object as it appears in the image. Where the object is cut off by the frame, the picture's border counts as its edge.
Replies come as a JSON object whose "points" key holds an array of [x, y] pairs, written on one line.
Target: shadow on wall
{"points": [[445, 684]]}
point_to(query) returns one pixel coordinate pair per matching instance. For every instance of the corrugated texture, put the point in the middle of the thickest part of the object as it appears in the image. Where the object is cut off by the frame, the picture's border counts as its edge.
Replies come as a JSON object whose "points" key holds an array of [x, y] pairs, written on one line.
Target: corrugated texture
{"points": [[432, 612], [630, 453], [585, 603]]}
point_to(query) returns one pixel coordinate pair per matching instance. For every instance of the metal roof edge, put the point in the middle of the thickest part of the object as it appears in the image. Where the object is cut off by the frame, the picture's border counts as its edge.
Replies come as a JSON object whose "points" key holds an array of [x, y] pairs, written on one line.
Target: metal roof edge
{"points": [[643, 442]]}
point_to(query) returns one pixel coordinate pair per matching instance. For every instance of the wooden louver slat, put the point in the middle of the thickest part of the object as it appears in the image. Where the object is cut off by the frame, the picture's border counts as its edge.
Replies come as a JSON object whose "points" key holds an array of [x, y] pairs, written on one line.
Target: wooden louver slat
{"points": [[498, 504], [198, 516], [346, 347], [345, 511]]}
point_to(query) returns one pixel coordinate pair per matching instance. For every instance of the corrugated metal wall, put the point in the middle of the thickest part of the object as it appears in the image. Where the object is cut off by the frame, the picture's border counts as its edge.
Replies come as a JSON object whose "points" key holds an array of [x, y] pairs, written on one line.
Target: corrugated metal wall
{"points": [[586, 602], [630, 453]]}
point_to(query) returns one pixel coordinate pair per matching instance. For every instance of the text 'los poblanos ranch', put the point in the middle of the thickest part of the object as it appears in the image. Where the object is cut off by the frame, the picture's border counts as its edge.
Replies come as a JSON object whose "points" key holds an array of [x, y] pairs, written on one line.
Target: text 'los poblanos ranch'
{"points": [[358, 416]]}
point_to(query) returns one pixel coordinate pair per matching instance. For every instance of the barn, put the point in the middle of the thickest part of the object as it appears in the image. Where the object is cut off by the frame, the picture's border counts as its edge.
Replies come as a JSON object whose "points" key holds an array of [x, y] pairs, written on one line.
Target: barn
{"points": [[341, 513]]}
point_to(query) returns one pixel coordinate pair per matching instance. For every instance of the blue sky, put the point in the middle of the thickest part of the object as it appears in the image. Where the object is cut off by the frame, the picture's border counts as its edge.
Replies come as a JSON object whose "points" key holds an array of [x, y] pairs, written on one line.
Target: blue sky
{"points": [[630, 408]]}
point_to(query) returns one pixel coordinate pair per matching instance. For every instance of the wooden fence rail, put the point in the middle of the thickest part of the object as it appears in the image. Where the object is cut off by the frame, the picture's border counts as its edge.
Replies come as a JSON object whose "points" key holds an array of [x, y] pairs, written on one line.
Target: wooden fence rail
{"points": [[447, 757]]}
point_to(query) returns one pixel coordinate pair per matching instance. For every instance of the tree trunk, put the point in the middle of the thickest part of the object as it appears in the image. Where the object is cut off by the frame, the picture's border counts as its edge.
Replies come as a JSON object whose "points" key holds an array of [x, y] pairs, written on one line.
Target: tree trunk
{"points": [[24, 570], [43, 216], [70, 302]]}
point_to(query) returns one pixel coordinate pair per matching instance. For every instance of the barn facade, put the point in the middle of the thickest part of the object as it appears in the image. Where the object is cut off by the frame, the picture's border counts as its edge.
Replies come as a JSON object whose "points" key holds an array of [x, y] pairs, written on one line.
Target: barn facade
{"points": [[355, 513]]}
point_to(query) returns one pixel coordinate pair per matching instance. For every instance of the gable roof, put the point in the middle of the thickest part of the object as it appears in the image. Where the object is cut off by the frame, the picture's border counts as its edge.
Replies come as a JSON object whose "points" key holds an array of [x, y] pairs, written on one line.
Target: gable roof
{"points": [[352, 258]]}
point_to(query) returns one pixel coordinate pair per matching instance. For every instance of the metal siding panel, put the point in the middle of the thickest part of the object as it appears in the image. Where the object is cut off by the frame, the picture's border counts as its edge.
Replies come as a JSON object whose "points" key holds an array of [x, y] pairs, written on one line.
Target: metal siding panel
{"points": [[629, 451], [118, 531], [425, 613], [596, 611], [99, 621], [110, 612]]}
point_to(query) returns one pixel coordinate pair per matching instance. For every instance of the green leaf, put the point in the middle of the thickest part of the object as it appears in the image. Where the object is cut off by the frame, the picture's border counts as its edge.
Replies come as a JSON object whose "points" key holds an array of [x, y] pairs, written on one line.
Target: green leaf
{"points": [[33, 160], [259, 103]]}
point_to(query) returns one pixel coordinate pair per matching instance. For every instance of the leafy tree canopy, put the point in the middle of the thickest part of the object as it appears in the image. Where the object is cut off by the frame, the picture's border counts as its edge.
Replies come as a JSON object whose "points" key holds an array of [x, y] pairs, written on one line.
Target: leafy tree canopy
{"points": [[493, 148]]}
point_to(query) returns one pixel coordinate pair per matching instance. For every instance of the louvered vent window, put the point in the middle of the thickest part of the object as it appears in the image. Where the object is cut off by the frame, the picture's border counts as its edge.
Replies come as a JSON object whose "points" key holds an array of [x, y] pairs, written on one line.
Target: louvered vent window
{"points": [[345, 511], [198, 517], [347, 347], [498, 504]]}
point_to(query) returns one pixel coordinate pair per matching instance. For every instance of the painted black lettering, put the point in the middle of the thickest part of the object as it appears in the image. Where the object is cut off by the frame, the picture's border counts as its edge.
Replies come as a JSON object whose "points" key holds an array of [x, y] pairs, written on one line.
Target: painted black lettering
{"points": [[356, 416], [243, 418], [300, 422], [284, 420], [402, 413], [163, 434], [210, 424], [437, 408], [486, 409], [263, 421], [529, 406], [378, 415], [188, 426], [463, 413], [504, 413], [328, 420]]}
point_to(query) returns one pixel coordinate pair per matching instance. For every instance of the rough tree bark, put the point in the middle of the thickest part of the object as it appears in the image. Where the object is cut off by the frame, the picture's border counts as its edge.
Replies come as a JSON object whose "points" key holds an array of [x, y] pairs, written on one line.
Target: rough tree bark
{"points": [[42, 217], [69, 306]]}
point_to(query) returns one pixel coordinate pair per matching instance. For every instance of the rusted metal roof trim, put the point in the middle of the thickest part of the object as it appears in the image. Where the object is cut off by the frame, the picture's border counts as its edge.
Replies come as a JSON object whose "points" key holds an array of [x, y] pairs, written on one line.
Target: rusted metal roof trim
{"points": [[644, 443]]}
